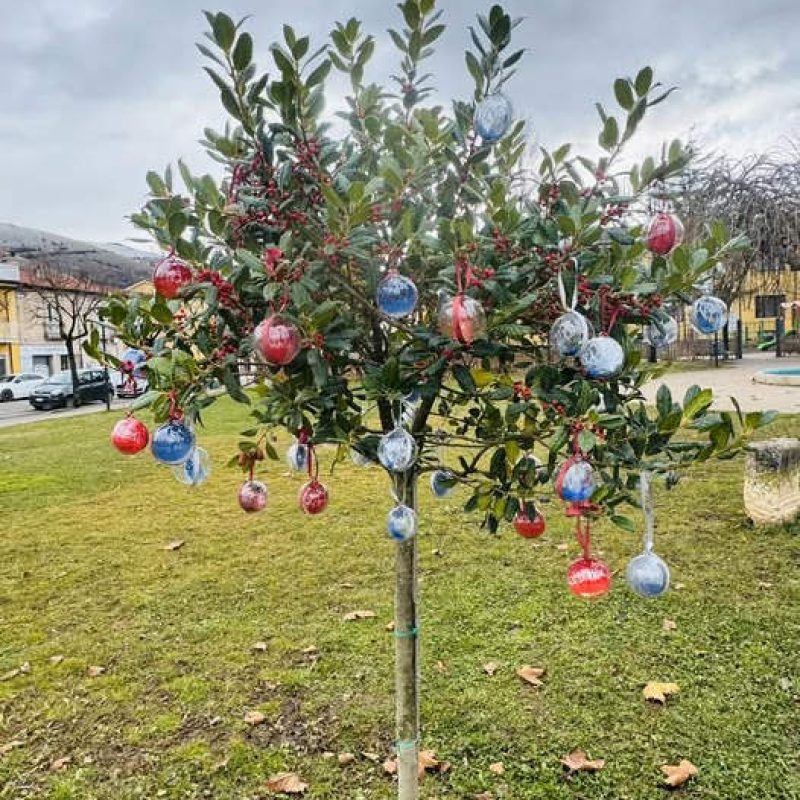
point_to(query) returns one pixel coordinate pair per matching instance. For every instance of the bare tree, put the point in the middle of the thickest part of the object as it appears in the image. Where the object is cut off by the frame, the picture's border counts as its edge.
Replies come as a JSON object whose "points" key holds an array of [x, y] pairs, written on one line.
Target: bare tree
{"points": [[758, 195], [66, 300]]}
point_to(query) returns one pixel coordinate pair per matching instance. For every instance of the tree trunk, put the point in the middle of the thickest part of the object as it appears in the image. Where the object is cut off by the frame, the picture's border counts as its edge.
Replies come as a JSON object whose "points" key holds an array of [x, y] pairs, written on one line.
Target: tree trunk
{"points": [[69, 343], [407, 651]]}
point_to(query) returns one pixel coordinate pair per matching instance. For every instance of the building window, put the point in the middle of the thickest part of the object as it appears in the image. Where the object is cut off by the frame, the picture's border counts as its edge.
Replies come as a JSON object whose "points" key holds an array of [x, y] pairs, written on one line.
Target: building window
{"points": [[64, 363], [769, 305]]}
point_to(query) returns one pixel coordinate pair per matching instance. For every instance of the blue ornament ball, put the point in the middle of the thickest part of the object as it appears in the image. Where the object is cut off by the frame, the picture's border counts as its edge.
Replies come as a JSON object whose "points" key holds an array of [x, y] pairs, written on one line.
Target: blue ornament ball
{"points": [[662, 336], [195, 470], [602, 357], [493, 117], [576, 481], [569, 333], [397, 295], [401, 523], [442, 483], [648, 574], [172, 443], [397, 450], [709, 314], [297, 457]]}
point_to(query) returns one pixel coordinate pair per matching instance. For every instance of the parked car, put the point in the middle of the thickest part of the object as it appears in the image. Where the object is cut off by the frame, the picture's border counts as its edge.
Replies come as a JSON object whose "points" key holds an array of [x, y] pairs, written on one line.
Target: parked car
{"points": [[57, 389], [18, 387]]}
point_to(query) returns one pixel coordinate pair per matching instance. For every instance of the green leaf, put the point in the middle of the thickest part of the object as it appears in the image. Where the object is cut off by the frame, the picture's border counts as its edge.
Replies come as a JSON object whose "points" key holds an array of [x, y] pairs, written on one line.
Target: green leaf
{"points": [[643, 81], [243, 52], [623, 93], [626, 523], [663, 400], [699, 401], [319, 74], [224, 31], [464, 378]]}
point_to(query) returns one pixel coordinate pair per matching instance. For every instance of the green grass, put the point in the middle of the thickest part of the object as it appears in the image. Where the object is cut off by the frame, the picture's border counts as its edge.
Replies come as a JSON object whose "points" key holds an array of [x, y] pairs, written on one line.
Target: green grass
{"points": [[83, 575]]}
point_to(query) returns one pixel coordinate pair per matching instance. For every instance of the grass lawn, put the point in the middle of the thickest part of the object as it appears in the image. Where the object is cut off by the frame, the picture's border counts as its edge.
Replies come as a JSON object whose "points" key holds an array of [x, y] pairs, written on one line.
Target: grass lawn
{"points": [[84, 576]]}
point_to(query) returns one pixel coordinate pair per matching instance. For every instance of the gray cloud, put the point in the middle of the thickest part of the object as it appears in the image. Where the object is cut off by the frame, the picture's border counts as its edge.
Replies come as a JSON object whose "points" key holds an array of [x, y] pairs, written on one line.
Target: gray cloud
{"points": [[95, 92]]}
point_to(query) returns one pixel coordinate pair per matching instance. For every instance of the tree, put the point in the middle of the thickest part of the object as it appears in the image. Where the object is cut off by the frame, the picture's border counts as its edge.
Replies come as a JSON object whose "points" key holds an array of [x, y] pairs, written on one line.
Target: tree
{"points": [[757, 196], [308, 223], [67, 300]]}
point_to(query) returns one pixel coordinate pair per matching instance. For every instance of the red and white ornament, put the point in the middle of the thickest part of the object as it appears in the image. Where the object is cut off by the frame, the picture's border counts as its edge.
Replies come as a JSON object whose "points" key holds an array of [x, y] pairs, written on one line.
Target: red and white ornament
{"points": [[170, 276], [462, 318], [313, 497], [529, 528], [277, 339], [130, 436], [664, 234], [588, 577], [253, 496]]}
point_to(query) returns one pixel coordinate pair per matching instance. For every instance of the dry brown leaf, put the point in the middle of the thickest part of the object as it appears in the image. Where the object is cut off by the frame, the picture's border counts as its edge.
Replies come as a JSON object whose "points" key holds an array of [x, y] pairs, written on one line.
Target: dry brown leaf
{"points": [[373, 757], [259, 647], [658, 692], [765, 585], [9, 746], [531, 675], [310, 650], [483, 796], [60, 764], [490, 667], [12, 673], [346, 758], [390, 626], [286, 783], [56, 659], [255, 717], [390, 766], [577, 761], [351, 616], [428, 761], [347, 586], [679, 586], [669, 624], [175, 544], [498, 768], [678, 775], [95, 671], [562, 547], [440, 666]]}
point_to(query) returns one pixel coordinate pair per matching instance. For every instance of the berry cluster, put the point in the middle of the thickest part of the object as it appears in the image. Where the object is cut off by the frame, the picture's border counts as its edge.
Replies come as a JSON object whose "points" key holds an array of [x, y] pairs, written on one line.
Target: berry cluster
{"points": [[521, 391]]}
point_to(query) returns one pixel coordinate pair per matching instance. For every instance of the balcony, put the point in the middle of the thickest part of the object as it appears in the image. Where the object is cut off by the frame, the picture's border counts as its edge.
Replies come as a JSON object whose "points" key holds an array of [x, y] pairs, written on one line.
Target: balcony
{"points": [[51, 331]]}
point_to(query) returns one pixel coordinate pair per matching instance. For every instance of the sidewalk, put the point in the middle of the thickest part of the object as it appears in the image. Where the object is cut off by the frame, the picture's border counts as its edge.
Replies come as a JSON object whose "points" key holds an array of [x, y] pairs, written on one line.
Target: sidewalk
{"points": [[735, 378]]}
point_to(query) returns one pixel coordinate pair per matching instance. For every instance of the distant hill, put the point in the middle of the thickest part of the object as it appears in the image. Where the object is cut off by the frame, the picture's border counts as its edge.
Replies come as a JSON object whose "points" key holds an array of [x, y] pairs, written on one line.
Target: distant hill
{"points": [[113, 265]]}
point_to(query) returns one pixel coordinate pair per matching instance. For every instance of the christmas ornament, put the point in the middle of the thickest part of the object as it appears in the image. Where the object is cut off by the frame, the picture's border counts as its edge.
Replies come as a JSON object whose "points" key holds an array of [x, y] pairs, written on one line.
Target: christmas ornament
{"points": [[493, 117], [647, 574], [130, 436], [588, 577], [253, 496], [173, 442], [602, 357], [569, 333], [462, 318], [401, 523], [709, 314], [397, 450], [195, 470], [313, 497], [664, 234], [359, 459], [576, 480], [662, 334], [442, 483], [527, 527], [133, 359], [397, 295], [277, 339], [297, 456], [170, 276]]}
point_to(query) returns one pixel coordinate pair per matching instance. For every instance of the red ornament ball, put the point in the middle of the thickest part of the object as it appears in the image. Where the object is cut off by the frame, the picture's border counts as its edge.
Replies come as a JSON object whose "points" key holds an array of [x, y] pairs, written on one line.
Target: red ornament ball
{"points": [[277, 339], [253, 496], [130, 436], [589, 577], [664, 234], [529, 528], [170, 276], [313, 498]]}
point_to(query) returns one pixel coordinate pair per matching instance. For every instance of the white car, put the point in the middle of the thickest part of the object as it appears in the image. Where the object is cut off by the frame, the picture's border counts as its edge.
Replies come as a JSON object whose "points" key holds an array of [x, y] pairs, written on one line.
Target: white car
{"points": [[18, 387]]}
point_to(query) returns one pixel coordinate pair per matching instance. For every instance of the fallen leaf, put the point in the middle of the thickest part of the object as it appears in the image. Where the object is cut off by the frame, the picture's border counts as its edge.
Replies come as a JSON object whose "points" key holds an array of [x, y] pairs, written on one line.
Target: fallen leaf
{"points": [[346, 758], [56, 659], [328, 754], [658, 692], [9, 746], [483, 796], [577, 761], [669, 624], [765, 585], [390, 765], [87, 760], [426, 762], [25, 668], [531, 675], [497, 768], [12, 673], [679, 586], [678, 775], [350, 616], [373, 757], [490, 667], [562, 547], [785, 684], [259, 647], [286, 783], [390, 626], [440, 666], [255, 717], [175, 544], [60, 764], [310, 650], [95, 671], [347, 586]]}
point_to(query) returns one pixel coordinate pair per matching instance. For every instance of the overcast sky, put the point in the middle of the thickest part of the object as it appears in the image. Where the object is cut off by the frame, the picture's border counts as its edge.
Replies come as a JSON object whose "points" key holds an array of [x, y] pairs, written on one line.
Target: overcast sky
{"points": [[93, 93]]}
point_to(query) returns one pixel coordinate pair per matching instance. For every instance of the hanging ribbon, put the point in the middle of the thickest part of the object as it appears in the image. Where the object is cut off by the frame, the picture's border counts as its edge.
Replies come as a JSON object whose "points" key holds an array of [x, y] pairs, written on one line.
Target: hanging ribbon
{"points": [[583, 535], [175, 411], [562, 290], [647, 507]]}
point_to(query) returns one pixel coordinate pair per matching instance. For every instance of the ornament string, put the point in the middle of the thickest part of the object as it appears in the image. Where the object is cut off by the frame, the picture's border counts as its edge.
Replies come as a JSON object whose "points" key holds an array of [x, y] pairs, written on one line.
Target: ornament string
{"points": [[647, 507], [175, 412], [562, 291], [583, 535]]}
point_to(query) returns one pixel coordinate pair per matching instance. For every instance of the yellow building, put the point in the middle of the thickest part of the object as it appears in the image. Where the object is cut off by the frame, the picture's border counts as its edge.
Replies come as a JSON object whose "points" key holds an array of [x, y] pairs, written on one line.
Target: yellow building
{"points": [[10, 356], [768, 295]]}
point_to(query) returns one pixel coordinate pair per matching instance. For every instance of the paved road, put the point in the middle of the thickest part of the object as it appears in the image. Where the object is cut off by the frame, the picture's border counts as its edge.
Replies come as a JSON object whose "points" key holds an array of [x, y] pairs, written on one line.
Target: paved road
{"points": [[20, 412]]}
